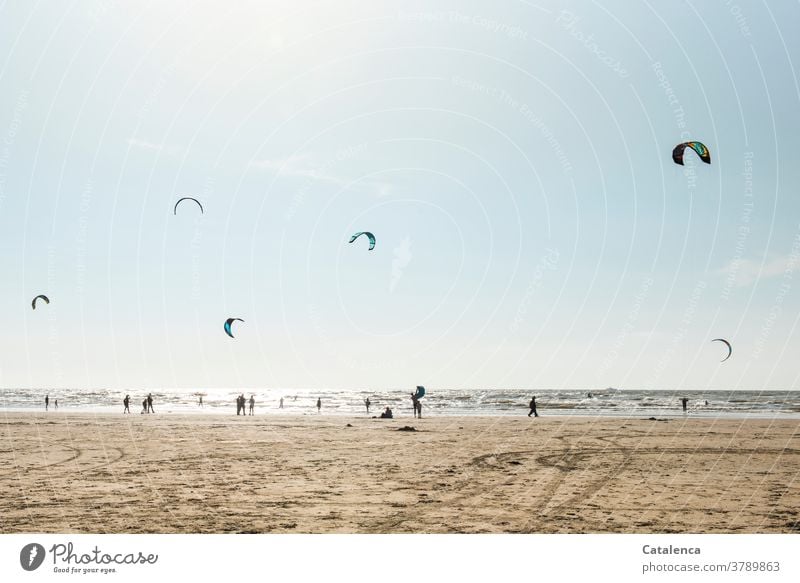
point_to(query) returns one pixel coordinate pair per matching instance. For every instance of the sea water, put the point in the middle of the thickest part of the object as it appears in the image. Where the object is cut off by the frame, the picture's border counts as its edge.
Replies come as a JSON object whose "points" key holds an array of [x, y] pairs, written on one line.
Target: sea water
{"points": [[437, 401]]}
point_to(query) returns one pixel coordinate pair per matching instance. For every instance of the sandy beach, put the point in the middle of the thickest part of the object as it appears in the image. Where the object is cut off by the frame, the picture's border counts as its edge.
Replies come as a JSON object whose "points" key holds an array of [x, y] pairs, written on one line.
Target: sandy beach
{"points": [[80, 473]]}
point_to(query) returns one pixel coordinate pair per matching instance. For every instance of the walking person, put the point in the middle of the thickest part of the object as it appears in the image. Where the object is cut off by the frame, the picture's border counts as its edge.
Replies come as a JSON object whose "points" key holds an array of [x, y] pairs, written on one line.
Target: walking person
{"points": [[150, 403], [56, 404], [127, 402], [532, 405], [319, 405], [252, 404], [46, 402]]}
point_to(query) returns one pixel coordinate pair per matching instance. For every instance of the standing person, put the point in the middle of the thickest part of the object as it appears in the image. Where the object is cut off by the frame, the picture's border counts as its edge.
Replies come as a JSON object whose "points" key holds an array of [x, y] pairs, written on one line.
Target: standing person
{"points": [[201, 400], [127, 402], [367, 404], [56, 404], [319, 405], [150, 403], [252, 404], [684, 400], [280, 404], [419, 408], [238, 404], [414, 403], [46, 402], [532, 405], [144, 406]]}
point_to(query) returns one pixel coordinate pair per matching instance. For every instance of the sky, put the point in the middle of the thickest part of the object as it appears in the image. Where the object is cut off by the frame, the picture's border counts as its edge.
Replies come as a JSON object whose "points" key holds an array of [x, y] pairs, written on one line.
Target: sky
{"points": [[513, 160]]}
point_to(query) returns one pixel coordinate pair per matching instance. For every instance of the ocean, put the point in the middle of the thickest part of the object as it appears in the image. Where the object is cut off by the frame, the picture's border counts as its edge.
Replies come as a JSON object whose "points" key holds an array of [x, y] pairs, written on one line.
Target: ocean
{"points": [[439, 402]]}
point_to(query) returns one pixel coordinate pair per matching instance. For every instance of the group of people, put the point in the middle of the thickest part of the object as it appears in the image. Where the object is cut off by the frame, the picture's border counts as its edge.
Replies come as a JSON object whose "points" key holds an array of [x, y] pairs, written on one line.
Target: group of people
{"points": [[47, 403], [241, 403], [147, 404]]}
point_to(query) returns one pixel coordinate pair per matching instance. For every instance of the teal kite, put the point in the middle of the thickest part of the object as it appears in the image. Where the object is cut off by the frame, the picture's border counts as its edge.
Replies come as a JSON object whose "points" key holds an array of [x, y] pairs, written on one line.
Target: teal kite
{"points": [[228, 323], [369, 235]]}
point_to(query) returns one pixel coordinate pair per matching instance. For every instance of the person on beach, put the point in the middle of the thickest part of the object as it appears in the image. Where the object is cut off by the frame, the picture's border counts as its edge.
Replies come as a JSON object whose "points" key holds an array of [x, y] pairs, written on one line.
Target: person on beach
{"points": [[419, 408], [280, 404], [684, 400], [252, 404], [150, 403], [240, 405], [56, 404], [144, 406], [387, 414], [414, 404], [532, 405], [319, 405], [367, 404], [46, 402], [201, 400], [127, 402]]}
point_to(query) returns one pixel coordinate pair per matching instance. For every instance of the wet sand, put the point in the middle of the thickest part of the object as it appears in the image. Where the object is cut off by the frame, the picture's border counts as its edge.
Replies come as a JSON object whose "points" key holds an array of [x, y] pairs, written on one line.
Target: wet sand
{"points": [[78, 473]]}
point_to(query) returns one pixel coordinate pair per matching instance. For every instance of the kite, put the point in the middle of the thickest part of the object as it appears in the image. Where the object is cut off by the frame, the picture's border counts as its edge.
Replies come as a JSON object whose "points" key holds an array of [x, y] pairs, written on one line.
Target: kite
{"points": [[699, 147], [228, 323], [45, 298], [728, 344], [371, 238], [175, 210]]}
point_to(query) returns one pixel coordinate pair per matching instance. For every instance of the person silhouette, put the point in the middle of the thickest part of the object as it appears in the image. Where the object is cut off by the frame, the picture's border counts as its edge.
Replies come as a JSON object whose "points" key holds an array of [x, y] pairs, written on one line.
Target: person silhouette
{"points": [[46, 402], [127, 402], [367, 404], [252, 404], [150, 403], [280, 403], [319, 405], [684, 401], [532, 405]]}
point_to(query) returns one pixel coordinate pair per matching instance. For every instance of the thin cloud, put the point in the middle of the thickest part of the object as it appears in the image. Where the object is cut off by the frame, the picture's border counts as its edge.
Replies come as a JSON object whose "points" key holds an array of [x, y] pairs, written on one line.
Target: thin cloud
{"points": [[145, 145], [303, 166], [744, 272]]}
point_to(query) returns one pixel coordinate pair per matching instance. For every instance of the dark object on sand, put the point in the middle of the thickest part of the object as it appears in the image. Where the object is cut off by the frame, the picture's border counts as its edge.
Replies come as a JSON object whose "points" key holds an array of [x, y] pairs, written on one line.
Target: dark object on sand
{"points": [[348, 425], [407, 428]]}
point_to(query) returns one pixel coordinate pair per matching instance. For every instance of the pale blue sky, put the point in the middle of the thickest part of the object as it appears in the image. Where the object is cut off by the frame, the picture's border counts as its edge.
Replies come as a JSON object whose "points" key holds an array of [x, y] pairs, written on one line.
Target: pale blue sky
{"points": [[512, 158]]}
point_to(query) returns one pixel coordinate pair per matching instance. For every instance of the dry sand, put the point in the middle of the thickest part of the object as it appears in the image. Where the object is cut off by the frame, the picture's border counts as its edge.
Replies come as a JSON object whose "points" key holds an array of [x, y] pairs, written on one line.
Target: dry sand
{"points": [[65, 472]]}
